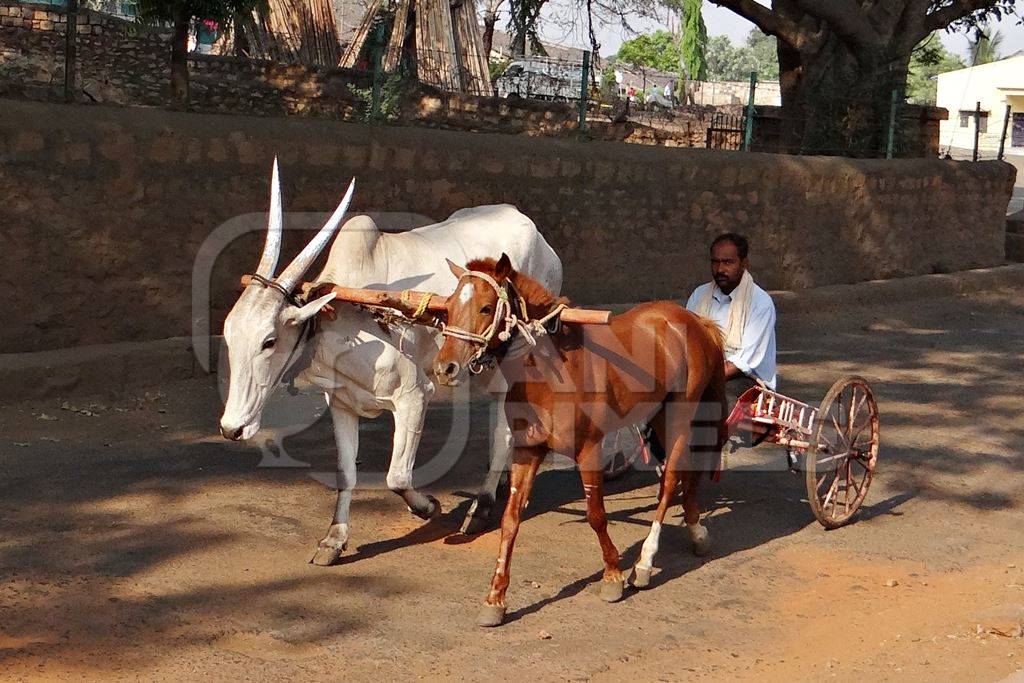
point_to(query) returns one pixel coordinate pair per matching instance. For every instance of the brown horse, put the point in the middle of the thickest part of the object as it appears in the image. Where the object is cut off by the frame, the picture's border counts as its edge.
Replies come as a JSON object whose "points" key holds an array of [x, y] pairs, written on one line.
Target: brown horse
{"points": [[569, 385]]}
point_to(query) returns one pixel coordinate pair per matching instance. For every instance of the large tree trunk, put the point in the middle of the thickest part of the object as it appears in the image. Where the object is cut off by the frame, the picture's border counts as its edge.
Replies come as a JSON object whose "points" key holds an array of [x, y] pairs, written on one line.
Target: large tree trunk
{"points": [[836, 102], [490, 18], [179, 60]]}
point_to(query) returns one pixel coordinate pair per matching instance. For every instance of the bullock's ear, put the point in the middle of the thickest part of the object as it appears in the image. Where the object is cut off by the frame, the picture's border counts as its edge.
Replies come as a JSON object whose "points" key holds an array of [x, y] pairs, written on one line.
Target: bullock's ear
{"points": [[457, 271], [296, 316], [503, 268]]}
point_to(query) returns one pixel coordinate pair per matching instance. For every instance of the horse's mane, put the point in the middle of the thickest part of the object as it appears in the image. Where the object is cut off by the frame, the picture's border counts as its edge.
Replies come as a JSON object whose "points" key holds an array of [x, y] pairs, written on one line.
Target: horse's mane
{"points": [[534, 293]]}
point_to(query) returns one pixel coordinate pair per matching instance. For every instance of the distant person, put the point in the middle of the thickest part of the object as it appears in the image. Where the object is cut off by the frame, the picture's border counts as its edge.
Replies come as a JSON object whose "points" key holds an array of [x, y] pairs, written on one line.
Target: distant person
{"points": [[744, 311]]}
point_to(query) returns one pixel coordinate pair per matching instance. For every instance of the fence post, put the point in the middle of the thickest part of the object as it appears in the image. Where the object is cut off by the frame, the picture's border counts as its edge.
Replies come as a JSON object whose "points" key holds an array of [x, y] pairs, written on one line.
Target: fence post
{"points": [[977, 130], [749, 132], [584, 92], [890, 143], [70, 49], [1002, 137]]}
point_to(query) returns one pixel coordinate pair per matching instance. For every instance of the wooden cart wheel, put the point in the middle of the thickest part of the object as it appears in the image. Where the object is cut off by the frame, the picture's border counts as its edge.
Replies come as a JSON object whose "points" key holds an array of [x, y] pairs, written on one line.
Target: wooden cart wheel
{"points": [[844, 449], [619, 450]]}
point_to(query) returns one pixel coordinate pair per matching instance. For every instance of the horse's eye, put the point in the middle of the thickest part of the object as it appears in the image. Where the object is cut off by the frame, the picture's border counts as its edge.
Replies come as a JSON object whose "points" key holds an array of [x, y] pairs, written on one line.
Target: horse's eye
{"points": [[485, 310], [269, 344]]}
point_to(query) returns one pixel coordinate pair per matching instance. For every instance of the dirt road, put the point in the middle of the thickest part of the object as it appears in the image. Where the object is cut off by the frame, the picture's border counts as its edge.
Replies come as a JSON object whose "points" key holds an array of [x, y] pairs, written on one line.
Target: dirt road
{"points": [[135, 542]]}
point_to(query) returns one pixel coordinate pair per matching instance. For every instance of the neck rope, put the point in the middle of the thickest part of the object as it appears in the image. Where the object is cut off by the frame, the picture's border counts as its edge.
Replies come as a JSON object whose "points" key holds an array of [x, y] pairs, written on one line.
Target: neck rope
{"points": [[288, 372], [504, 323]]}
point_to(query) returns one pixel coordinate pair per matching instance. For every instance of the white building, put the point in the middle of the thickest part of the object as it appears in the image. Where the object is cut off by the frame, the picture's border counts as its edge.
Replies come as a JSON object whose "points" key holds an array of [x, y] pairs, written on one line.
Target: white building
{"points": [[995, 85]]}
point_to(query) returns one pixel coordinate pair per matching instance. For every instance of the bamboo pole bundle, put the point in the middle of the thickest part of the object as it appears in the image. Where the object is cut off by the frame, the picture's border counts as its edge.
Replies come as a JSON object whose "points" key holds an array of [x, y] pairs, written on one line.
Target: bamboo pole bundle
{"points": [[396, 44], [362, 34]]}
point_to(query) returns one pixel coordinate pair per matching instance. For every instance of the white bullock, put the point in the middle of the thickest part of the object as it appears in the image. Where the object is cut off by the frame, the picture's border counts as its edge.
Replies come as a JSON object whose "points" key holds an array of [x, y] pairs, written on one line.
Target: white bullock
{"points": [[363, 367]]}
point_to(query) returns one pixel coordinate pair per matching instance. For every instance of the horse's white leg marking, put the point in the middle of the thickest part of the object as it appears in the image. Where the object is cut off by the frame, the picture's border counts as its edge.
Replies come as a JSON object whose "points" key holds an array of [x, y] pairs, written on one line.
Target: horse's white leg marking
{"points": [[346, 436], [650, 547]]}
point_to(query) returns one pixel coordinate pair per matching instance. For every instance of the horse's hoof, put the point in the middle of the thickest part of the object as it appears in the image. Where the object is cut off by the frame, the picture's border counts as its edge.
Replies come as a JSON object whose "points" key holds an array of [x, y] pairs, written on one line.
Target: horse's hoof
{"points": [[325, 556], [641, 577], [491, 615], [702, 546], [611, 591]]}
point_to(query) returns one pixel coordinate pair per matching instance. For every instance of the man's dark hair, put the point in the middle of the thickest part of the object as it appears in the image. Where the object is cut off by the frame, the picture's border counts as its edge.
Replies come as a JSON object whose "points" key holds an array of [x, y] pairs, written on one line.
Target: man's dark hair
{"points": [[742, 246]]}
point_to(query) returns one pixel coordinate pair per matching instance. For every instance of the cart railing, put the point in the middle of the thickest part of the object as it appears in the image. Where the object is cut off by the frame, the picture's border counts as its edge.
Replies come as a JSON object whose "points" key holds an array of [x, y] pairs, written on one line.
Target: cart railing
{"points": [[774, 408]]}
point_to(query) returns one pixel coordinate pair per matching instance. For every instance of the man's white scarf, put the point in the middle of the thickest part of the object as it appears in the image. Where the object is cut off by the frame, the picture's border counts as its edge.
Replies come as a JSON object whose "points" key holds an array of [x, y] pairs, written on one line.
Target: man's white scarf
{"points": [[738, 310]]}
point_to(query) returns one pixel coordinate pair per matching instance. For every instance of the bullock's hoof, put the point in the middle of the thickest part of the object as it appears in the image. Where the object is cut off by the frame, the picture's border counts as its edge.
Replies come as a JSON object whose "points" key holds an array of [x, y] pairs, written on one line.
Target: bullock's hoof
{"points": [[491, 615], [325, 556], [611, 591], [432, 511], [641, 577], [478, 518]]}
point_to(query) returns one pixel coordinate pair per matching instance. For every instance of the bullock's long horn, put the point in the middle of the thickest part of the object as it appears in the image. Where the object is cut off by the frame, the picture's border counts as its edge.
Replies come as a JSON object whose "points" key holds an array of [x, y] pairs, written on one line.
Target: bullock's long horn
{"points": [[290, 277], [272, 247]]}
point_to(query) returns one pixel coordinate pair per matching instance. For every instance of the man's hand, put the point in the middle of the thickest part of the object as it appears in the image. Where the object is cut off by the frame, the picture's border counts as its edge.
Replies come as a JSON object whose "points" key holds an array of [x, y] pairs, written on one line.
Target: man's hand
{"points": [[731, 371]]}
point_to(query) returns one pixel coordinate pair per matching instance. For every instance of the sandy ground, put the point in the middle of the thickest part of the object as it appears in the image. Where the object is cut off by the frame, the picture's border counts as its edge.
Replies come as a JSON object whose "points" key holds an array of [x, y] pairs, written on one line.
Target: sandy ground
{"points": [[134, 542]]}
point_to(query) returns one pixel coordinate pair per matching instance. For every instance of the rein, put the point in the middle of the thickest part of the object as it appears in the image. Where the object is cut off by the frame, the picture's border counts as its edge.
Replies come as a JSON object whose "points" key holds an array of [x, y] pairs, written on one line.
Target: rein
{"points": [[504, 323]]}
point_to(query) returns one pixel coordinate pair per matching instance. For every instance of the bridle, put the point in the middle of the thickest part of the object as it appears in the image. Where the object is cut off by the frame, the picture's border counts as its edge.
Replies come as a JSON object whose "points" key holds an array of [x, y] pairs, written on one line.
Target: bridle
{"points": [[504, 323], [305, 334]]}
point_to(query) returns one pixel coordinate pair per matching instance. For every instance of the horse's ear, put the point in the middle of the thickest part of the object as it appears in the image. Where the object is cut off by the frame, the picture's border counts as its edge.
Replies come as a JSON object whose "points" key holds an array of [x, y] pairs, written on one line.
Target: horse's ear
{"points": [[457, 270], [503, 268]]}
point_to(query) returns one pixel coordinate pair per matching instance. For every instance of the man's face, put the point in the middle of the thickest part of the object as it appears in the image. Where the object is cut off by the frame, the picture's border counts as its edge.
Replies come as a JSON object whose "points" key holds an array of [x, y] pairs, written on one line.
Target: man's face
{"points": [[727, 267]]}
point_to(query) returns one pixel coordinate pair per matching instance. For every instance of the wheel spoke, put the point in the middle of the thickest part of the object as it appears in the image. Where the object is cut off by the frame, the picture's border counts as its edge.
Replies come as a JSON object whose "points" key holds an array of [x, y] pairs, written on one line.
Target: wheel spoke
{"points": [[832, 489], [832, 457], [846, 490], [839, 430], [853, 481]]}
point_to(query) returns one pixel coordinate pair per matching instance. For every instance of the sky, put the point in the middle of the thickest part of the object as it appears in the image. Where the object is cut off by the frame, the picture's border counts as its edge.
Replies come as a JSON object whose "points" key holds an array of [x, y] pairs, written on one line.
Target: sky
{"points": [[721, 21]]}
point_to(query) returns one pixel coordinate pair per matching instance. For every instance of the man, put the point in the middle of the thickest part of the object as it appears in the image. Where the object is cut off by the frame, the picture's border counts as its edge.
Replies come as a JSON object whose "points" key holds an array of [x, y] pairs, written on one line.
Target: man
{"points": [[745, 313]]}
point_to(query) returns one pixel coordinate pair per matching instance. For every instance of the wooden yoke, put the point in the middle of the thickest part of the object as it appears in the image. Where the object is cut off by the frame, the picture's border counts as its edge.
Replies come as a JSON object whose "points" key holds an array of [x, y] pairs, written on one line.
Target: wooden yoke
{"points": [[409, 302]]}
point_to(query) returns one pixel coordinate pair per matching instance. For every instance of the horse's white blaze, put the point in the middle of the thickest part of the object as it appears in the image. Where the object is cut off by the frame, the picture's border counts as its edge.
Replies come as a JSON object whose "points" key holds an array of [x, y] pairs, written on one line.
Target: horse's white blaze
{"points": [[650, 547], [465, 293]]}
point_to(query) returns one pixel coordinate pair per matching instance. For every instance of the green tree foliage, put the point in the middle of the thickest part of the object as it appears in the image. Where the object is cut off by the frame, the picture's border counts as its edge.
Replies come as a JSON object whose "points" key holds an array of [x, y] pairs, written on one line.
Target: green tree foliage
{"points": [[762, 50], [985, 46], [179, 14], [694, 42], [730, 62], [654, 50], [928, 60]]}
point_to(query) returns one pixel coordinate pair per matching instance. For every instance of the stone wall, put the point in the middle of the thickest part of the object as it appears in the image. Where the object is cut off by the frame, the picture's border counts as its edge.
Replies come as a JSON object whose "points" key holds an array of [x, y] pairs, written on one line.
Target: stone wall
{"points": [[126, 64], [118, 61], [104, 210], [917, 130]]}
